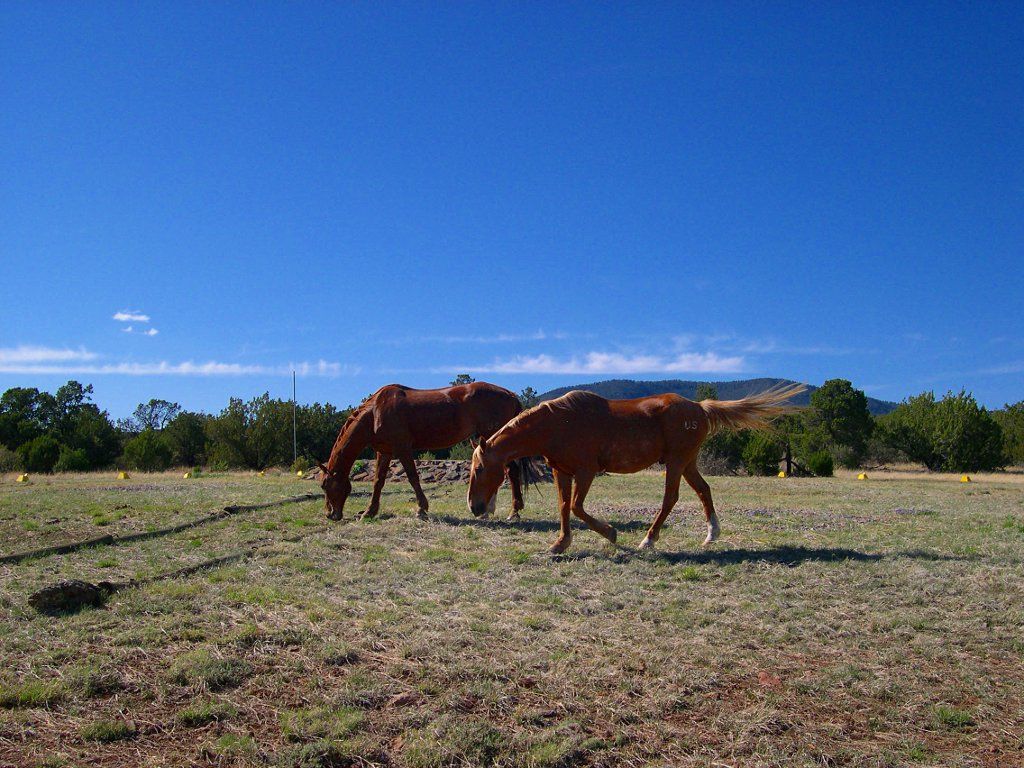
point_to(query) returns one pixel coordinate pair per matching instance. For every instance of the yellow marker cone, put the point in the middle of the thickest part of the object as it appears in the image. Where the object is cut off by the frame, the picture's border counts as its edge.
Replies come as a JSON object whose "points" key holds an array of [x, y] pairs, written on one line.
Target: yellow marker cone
{"points": [[22, 479], [862, 476], [965, 478], [123, 476], [186, 476], [300, 473], [782, 473], [261, 473]]}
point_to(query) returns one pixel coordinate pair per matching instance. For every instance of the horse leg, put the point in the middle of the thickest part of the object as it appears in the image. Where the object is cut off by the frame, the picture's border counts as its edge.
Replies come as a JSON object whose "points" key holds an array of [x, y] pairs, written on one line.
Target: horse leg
{"points": [[673, 473], [379, 477], [515, 479], [409, 464], [564, 484], [703, 491], [583, 481]]}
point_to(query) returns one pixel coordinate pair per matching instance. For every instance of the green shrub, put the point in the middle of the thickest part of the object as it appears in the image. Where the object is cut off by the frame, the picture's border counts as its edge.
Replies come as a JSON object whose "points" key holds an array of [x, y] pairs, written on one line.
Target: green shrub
{"points": [[186, 434], [40, 454], [9, 460], [95, 679], [33, 693], [953, 718], [202, 668], [72, 460], [222, 458], [761, 455], [148, 451], [954, 434], [1011, 421], [461, 451], [820, 463], [845, 456], [839, 419], [722, 453], [200, 714], [451, 740], [320, 723], [107, 730], [302, 463]]}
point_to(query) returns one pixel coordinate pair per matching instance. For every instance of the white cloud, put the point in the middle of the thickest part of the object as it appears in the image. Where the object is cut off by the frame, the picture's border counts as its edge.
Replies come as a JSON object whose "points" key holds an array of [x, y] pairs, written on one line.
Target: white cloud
{"points": [[322, 368], [497, 338], [147, 332], [27, 353], [164, 368], [772, 346], [130, 316], [1006, 368], [611, 362]]}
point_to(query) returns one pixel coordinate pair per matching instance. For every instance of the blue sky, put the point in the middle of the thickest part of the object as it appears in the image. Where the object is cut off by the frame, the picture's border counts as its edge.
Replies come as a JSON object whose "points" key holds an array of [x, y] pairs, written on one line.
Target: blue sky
{"points": [[536, 194]]}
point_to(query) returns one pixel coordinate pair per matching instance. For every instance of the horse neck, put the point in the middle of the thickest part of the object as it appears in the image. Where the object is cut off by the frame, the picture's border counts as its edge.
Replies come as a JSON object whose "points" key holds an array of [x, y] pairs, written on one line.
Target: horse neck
{"points": [[354, 437], [525, 438]]}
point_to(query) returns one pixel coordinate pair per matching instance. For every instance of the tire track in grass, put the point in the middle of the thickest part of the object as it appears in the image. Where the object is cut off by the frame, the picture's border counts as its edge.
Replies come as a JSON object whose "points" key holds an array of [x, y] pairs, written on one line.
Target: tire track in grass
{"points": [[102, 541]]}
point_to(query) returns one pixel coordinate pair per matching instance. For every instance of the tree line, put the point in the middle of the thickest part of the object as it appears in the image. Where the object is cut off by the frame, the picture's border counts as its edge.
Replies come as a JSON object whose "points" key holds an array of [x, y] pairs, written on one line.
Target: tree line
{"points": [[950, 434], [66, 432]]}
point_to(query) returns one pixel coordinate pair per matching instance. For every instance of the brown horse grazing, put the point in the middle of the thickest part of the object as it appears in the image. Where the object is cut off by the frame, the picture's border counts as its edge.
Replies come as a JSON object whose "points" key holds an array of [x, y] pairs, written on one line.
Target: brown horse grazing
{"points": [[581, 434], [399, 421]]}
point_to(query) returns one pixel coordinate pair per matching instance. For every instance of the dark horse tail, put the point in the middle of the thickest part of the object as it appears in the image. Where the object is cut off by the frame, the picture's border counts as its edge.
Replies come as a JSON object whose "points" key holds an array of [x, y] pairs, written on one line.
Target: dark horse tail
{"points": [[752, 411], [531, 471]]}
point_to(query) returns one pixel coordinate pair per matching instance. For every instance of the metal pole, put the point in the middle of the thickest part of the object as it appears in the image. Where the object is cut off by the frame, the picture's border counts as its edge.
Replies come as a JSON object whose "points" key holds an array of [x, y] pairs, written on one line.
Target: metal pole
{"points": [[295, 444]]}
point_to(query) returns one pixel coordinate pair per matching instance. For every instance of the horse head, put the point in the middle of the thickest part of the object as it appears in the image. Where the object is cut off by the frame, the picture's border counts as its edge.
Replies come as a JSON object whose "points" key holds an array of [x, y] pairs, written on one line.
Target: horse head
{"points": [[486, 475], [336, 487]]}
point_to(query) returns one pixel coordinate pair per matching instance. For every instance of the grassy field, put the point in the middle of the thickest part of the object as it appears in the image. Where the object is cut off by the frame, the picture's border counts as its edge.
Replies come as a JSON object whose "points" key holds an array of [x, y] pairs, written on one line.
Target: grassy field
{"points": [[837, 623]]}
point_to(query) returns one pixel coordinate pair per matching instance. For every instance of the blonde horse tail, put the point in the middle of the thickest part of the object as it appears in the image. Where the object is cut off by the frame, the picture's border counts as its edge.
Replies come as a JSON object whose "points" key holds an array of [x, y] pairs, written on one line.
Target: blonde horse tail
{"points": [[752, 411]]}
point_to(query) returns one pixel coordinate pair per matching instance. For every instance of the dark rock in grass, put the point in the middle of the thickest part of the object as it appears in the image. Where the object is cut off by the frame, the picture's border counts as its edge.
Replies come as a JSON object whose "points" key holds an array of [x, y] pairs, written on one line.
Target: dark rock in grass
{"points": [[70, 596]]}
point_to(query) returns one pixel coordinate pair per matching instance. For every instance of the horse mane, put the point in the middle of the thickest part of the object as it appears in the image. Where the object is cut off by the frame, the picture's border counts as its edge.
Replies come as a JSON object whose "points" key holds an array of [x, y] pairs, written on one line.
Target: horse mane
{"points": [[353, 418], [577, 398]]}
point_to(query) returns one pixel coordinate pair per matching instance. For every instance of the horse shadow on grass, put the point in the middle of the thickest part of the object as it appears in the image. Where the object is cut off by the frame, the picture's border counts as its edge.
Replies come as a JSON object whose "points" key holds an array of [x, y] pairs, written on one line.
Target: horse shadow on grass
{"points": [[787, 555], [779, 555], [534, 526]]}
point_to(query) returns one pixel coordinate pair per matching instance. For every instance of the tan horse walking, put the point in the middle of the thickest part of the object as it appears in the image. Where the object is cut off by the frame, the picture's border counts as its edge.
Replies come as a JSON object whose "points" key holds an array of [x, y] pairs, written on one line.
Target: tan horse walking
{"points": [[581, 434], [401, 421]]}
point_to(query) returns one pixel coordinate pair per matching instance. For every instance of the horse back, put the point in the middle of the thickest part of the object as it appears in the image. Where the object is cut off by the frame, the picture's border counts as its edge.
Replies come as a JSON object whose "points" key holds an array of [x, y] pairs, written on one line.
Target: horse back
{"points": [[426, 419]]}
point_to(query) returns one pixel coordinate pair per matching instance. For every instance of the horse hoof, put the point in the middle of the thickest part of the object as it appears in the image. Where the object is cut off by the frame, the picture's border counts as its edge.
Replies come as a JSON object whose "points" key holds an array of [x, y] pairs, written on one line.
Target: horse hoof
{"points": [[558, 547], [421, 514], [646, 543], [612, 535], [513, 518]]}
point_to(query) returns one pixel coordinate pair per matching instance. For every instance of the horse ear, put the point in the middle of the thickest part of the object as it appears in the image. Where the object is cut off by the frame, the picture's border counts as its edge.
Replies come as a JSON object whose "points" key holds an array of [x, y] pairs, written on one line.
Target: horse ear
{"points": [[326, 471], [483, 443], [473, 443]]}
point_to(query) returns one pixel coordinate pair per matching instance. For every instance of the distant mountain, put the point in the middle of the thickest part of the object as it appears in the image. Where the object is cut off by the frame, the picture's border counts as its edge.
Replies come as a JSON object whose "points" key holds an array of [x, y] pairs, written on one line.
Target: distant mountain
{"points": [[619, 389]]}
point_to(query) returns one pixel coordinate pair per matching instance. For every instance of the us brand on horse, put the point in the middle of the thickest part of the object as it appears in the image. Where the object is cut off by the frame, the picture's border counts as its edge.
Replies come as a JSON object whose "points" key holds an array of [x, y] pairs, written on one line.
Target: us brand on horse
{"points": [[581, 434]]}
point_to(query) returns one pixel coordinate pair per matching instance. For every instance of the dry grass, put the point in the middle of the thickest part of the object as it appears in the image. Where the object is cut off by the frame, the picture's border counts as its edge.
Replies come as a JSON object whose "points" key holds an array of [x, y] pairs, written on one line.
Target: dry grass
{"points": [[837, 623]]}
